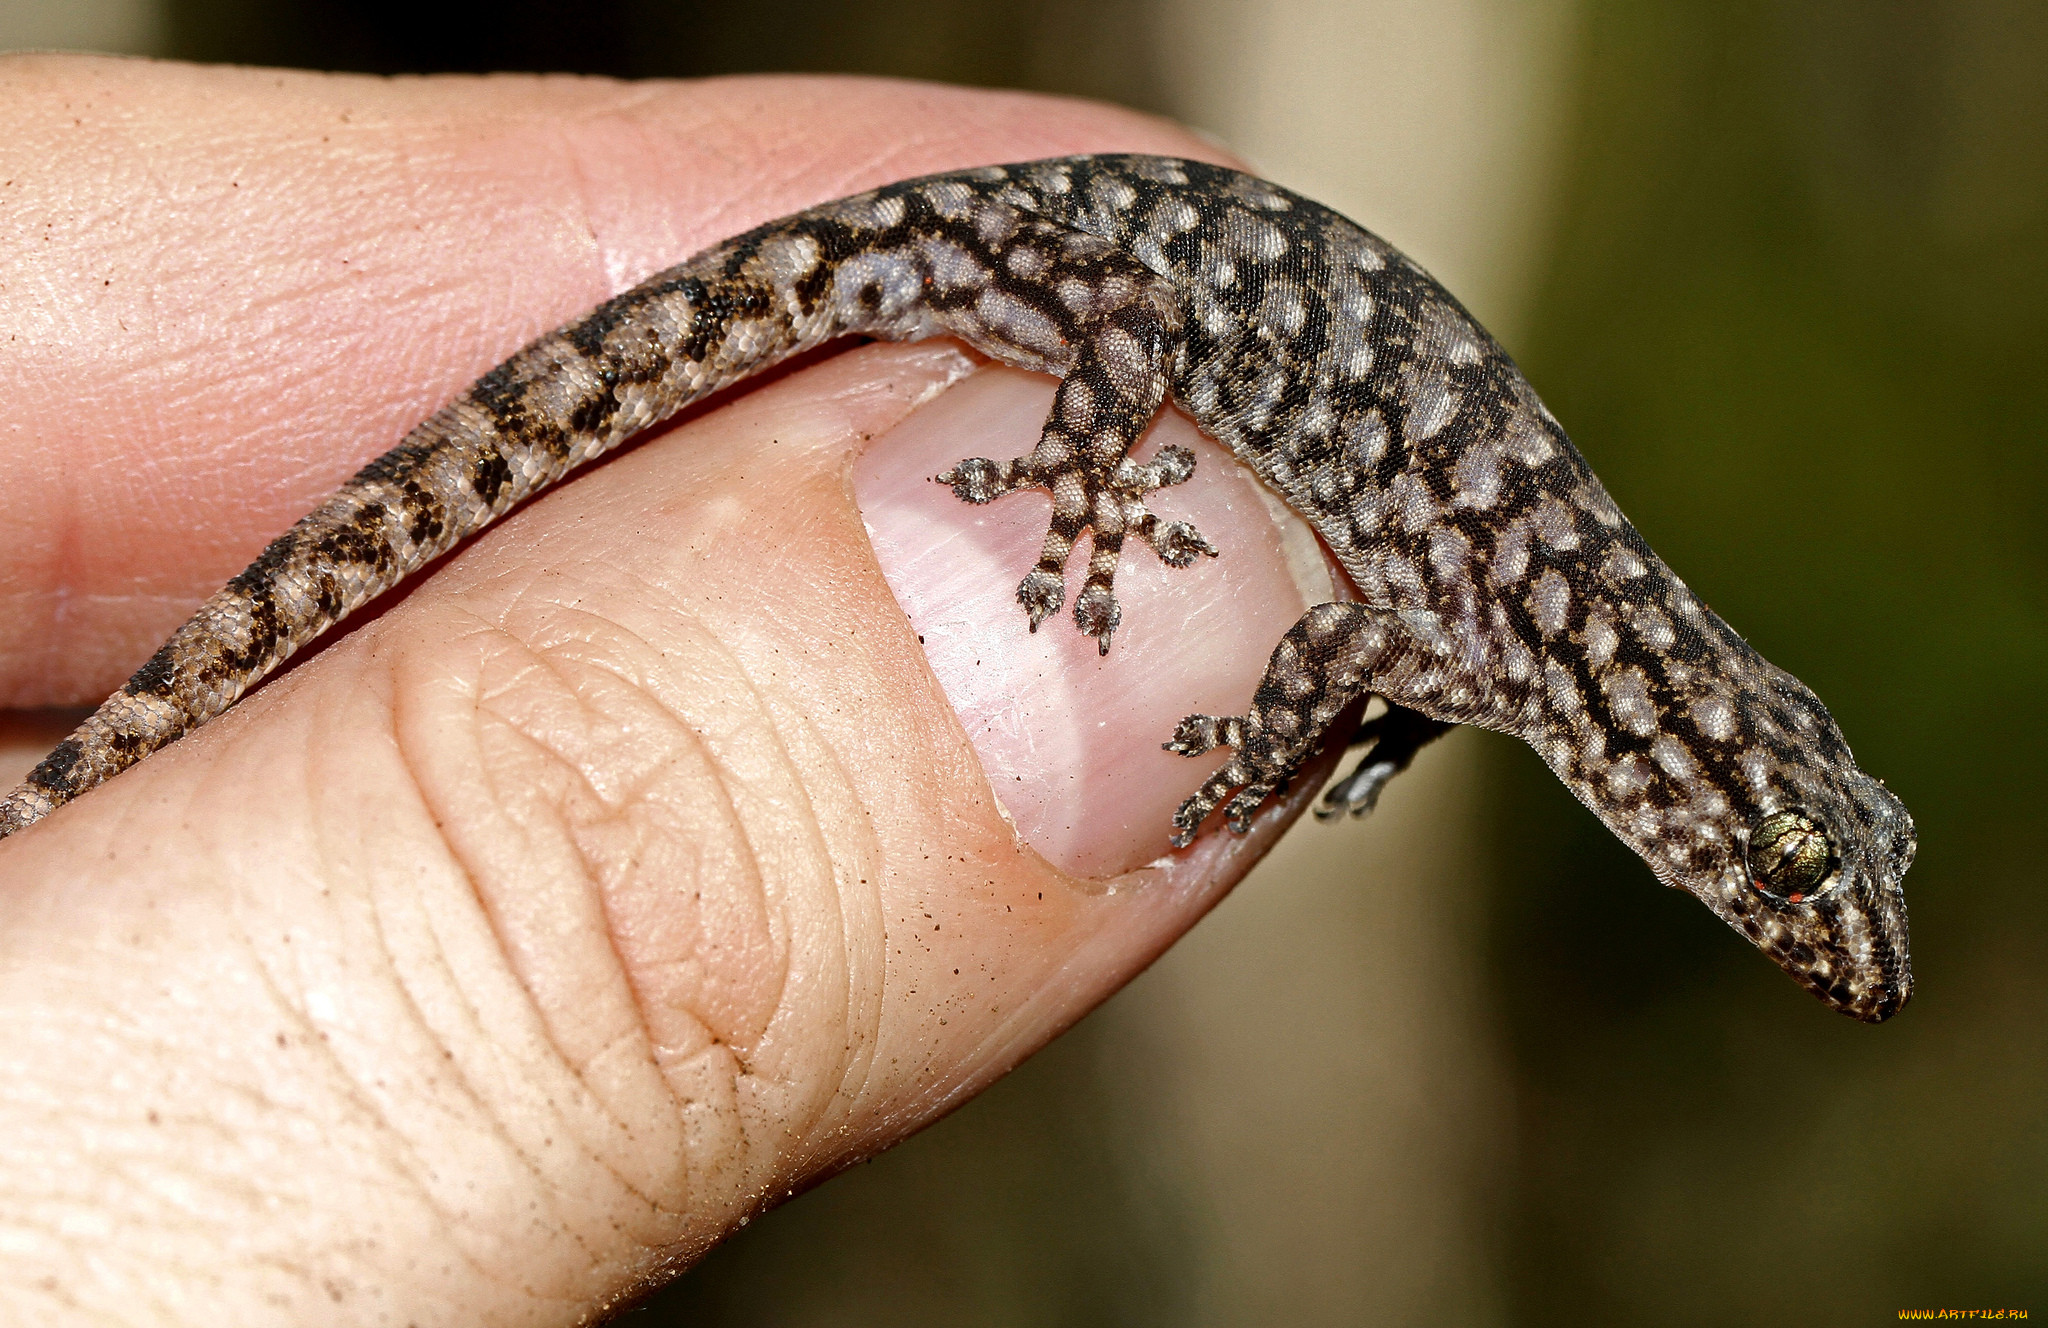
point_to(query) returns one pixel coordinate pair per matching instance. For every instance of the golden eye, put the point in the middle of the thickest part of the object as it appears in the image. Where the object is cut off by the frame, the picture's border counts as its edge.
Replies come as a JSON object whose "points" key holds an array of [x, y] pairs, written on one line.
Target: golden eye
{"points": [[1789, 854]]}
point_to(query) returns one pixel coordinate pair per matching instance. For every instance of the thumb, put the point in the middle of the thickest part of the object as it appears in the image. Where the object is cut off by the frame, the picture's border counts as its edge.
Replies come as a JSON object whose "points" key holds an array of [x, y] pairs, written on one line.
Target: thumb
{"points": [[633, 872]]}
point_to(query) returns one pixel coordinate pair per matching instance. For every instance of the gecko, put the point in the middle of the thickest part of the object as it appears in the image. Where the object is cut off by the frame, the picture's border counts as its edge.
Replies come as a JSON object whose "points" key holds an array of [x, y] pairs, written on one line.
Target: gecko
{"points": [[1493, 581]]}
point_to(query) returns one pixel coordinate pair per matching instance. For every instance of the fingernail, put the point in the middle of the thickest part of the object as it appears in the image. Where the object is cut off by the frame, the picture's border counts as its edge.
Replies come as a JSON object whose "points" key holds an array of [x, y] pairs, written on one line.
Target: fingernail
{"points": [[1071, 739]]}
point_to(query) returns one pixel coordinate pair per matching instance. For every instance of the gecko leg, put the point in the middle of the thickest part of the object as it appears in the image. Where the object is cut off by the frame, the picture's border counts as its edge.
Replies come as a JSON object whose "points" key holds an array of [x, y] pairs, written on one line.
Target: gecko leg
{"points": [[1395, 737], [1109, 395], [1334, 655]]}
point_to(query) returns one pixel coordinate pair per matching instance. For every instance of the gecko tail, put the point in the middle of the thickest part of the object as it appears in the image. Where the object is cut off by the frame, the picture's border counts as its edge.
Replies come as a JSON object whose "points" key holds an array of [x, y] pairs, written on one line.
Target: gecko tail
{"points": [[47, 787], [128, 726], [22, 808]]}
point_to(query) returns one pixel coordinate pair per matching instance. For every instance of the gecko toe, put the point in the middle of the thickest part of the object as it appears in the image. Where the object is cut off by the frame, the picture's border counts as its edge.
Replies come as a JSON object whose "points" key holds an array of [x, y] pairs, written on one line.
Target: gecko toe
{"points": [[1248, 801], [979, 480], [1177, 543], [1098, 614], [1242, 808], [1205, 733], [1240, 785], [1173, 465], [1041, 593], [1199, 733]]}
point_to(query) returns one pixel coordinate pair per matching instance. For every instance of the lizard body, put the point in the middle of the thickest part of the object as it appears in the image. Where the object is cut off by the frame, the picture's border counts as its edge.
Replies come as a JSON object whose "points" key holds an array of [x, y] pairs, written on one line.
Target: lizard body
{"points": [[1496, 582]]}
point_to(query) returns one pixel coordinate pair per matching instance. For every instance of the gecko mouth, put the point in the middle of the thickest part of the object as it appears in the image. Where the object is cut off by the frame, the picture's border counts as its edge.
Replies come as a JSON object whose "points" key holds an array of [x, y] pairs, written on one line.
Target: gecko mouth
{"points": [[1872, 1004], [1847, 950], [1835, 953]]}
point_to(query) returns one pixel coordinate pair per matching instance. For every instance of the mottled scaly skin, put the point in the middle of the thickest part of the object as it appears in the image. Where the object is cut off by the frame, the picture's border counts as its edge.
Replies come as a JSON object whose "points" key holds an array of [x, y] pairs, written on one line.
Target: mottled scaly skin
{"points": [[1496, 582]]}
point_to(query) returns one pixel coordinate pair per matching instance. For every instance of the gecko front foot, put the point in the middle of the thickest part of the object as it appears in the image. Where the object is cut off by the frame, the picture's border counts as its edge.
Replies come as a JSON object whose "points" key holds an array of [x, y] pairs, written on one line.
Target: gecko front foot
{"points": [[1333, 656], [1120, 323], [1087, 495], [1314, 673], [1395, 737], [1254, 779]]}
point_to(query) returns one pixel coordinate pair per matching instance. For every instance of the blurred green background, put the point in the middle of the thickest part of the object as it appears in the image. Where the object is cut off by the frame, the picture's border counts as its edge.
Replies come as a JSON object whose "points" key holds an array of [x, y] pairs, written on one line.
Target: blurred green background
{"points": [[1782, 269]]}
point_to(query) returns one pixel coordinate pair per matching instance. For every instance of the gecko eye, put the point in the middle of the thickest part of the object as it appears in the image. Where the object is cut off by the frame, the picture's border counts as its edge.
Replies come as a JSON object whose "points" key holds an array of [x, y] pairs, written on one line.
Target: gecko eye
{"points": [[1789, 854]]}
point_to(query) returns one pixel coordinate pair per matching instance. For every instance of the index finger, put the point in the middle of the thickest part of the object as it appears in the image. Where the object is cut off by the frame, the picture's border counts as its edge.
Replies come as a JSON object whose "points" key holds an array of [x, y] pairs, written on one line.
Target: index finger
{"points": [[226, 290]]}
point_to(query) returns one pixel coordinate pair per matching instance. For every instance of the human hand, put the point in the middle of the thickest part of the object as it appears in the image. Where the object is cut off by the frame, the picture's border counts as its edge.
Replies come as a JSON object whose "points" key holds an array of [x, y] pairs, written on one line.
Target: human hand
{"points": [[637, 868]]}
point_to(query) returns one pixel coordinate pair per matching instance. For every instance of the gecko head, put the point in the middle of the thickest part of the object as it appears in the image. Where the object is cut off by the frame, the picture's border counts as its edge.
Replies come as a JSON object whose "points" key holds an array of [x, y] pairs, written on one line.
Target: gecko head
{"points": [[1813, 850], [1816, 886], [1751, 802]]}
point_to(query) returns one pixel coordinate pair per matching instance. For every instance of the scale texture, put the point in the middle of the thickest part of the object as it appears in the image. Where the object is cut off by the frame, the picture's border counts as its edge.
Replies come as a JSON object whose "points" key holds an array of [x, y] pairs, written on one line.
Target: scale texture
{"points": [[1495, 581]]}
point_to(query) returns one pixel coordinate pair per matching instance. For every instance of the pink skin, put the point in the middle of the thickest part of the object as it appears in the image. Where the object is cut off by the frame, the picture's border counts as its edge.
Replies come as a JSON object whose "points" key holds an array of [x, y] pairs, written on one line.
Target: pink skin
{"points": [[637, 868]]}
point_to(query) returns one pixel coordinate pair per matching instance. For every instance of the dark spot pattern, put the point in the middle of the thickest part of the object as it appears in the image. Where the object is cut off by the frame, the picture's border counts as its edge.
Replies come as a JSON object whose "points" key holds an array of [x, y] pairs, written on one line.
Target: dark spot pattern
{"points": [[1497, 584]]}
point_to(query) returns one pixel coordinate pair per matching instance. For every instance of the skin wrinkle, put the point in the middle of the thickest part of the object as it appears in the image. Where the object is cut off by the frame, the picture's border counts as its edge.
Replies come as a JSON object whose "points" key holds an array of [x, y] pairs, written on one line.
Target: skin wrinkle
{"points": [[765, 694], [417, 1164], [614, 810], [725, 778], [858, 1045], [364, 1101], [581, 203], [572, 1065], [598, 865], [827, 1104], [367, 1102], [578, 1072]]}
